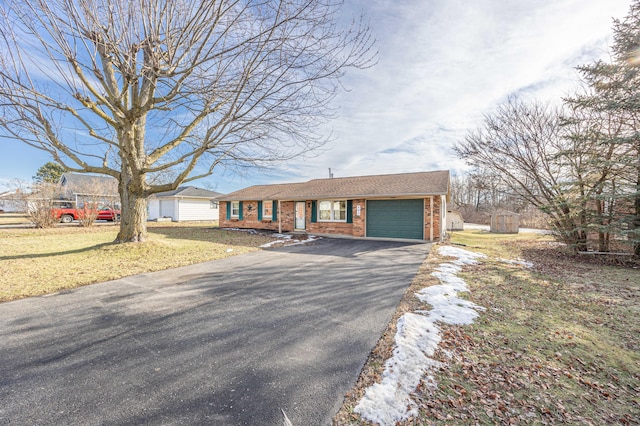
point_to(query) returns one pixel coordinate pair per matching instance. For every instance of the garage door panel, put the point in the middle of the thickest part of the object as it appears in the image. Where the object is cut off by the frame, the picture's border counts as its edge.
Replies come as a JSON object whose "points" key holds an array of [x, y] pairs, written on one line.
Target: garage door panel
{"points": [[395, 219]]}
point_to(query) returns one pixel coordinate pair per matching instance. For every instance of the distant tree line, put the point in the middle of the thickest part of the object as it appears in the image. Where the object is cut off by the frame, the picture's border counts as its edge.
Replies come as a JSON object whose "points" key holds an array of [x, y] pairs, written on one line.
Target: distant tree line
{"points": [[577, 163], [479, 193]]}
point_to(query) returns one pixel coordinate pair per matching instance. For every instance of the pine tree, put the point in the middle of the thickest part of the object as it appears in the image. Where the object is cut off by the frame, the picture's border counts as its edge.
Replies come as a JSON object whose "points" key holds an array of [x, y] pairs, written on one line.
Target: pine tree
{"points": [[49, 172], [614, 90]]}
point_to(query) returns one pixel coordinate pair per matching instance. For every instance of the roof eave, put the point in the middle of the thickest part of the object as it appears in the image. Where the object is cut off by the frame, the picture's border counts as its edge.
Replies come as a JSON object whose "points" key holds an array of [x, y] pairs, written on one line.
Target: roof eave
{"points": [[329, 197]]}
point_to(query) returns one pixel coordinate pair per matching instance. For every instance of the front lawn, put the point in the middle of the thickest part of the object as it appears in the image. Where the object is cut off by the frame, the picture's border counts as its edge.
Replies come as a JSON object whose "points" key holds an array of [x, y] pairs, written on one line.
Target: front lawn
{"points": [[14, 219], [558, 343], [39, 261]]}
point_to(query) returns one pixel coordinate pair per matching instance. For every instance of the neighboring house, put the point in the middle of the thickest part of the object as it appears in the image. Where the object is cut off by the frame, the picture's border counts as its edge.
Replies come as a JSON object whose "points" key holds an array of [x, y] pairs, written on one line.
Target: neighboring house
{"points": [[184, 203], [10, 202], [80, 187], [401, 206]]}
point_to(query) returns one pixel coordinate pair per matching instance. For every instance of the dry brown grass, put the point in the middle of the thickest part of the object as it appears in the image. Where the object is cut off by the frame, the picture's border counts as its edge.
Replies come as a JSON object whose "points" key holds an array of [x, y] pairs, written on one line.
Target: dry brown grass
{"points": [[39, 261], [558, 344], [13, 219]]}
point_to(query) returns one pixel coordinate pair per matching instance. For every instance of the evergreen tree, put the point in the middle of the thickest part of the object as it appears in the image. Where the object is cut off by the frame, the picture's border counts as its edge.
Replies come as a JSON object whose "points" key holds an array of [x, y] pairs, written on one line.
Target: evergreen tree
{"points": [[49, 172], [614, 89]]}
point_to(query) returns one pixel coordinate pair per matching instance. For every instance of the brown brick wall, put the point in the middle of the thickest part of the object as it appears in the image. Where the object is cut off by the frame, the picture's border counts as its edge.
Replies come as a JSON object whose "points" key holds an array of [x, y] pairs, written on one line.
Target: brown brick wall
{"points": [[428, 220], [250, 217], [359, 224], [356, 229], [339, 228]]}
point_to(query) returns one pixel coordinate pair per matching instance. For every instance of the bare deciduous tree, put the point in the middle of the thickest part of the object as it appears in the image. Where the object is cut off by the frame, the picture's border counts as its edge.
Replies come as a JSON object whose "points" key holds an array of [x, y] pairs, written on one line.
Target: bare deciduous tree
{"points": [[562, 161], [37, 201], [137, 89], [523, 146], [479, 193]]}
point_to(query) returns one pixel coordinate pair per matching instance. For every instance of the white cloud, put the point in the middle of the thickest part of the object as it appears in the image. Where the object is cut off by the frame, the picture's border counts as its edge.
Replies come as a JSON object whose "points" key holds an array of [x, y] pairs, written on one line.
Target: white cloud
{"points": [[445, 63]]}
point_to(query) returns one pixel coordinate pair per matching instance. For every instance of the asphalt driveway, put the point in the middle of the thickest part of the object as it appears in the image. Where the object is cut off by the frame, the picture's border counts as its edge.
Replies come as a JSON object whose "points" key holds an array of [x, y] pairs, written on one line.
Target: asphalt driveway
{"points": [[229, 342]]}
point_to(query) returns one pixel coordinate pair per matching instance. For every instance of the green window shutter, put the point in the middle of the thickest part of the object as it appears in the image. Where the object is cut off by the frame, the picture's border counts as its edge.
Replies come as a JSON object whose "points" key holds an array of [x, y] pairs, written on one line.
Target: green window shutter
{"points": [[274, 210], [240, 213], [313, 211], [259, 210], [228, 210], [349, 211]]}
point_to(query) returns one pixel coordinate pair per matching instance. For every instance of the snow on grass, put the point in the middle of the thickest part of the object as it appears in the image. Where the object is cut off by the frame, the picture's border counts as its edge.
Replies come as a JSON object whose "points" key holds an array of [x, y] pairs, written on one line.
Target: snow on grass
{"points": [[289, 240], [249, 230], [523, 263], [464, 257], [416, 340], [280, 239]]}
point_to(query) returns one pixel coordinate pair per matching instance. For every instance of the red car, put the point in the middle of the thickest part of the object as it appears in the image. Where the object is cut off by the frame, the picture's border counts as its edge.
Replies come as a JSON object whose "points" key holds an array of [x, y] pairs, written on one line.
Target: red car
{"points": [[67, 214], [108, 213]]}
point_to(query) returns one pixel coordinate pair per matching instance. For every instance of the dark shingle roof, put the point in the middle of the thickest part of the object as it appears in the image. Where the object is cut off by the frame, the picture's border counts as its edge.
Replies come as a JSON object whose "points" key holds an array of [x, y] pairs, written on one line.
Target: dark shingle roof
{"points": [[376, 186], [189, 192], [80, 183]]}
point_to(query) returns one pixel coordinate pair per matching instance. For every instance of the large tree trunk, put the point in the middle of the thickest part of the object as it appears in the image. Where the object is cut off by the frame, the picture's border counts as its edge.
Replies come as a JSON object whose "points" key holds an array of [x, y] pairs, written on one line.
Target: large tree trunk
{"points": [[132, 184], [133, 218]]}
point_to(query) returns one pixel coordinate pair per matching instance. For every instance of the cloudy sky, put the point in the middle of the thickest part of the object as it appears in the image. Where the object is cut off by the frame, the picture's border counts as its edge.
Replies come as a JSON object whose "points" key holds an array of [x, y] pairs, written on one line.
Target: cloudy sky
{"points": [[442, 64]]}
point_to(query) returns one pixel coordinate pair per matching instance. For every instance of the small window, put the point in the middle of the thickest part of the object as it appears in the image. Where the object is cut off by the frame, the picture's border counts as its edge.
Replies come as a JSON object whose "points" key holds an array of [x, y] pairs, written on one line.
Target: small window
{"points": [[235, 208], [332, 211], [267, 209], [340, 210], [324, 212], [213, 205]]}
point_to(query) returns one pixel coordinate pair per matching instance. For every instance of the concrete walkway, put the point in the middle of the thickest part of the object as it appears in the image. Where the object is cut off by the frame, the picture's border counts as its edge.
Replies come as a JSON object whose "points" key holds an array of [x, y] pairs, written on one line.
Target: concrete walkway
{"points": [[229, 342]]}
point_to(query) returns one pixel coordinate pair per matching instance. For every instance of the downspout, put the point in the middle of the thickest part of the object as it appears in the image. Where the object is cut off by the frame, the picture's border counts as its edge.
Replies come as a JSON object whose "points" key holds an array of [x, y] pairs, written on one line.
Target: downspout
{"points": [[279, 218], [443, 217], [431, 218]]}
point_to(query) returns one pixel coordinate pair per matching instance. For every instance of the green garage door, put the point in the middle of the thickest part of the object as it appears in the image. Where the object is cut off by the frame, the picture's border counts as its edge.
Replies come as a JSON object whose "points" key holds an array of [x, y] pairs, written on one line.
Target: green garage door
{"points": [[395, 219]]}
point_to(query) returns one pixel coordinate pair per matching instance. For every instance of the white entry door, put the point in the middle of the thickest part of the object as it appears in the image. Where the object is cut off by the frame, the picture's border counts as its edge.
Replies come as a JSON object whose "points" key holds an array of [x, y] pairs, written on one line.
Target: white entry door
{"points": [[300, 215]]}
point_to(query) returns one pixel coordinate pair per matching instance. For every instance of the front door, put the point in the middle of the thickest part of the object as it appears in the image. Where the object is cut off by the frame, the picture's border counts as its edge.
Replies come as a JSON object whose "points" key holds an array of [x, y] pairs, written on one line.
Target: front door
{"points": [[300, 215]]}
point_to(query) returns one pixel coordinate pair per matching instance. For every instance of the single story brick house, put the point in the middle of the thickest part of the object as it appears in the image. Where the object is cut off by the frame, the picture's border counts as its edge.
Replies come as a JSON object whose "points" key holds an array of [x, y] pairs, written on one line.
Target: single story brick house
{"points": [[409, 206]]}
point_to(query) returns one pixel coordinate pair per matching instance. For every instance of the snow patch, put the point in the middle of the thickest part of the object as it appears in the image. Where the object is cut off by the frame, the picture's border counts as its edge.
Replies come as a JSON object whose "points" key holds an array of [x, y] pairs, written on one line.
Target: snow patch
{"points": [[464, 257], [288, 240], [524, 263], [250, 231], [416, 340]]}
